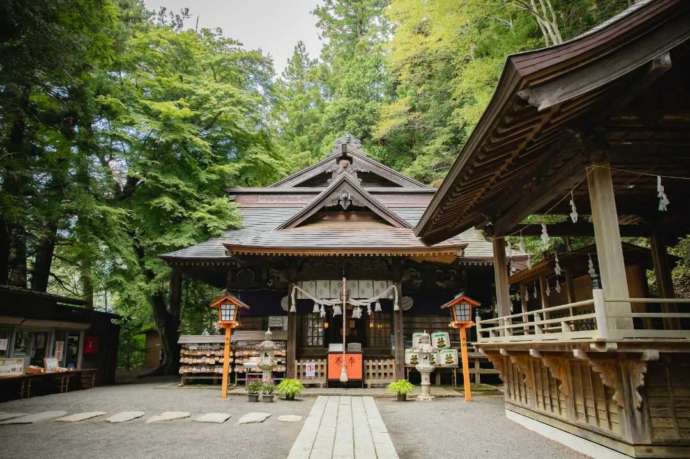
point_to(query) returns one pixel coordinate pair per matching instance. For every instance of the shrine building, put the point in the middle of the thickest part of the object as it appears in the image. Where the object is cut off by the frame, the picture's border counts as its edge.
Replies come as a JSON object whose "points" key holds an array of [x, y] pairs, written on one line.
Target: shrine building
{"points": [[347, 220]]}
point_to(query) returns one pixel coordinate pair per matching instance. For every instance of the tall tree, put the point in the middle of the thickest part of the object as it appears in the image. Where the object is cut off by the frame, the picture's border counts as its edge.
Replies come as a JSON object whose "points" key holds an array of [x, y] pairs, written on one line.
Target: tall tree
{"points": [[47, 49], [187, 114], [298, 112], [356, 82]]}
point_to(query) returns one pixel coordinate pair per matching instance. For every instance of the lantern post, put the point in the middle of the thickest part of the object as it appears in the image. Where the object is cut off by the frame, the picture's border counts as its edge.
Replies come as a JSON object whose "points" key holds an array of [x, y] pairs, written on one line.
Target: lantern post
{"points": [[461, 319], [228, 318]]}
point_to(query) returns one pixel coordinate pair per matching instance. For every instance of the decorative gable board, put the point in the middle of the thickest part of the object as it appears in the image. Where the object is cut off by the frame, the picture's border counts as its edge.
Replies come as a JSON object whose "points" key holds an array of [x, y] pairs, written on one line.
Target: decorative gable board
{"points": [[359, 197]]}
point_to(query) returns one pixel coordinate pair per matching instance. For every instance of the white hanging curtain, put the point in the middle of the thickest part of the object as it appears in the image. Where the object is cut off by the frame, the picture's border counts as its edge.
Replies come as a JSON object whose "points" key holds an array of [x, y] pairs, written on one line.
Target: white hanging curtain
{"points": [[337, 301]]}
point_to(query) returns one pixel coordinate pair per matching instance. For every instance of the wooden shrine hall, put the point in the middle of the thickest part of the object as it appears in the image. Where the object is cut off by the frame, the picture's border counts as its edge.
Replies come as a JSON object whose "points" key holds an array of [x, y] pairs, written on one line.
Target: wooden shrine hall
{"points": [[594, 133], [347, 220]]}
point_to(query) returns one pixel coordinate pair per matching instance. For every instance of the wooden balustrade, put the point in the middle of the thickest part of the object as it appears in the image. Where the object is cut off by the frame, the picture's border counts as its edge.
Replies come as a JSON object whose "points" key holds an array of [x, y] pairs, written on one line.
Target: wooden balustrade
{"points": [[586, 320]]}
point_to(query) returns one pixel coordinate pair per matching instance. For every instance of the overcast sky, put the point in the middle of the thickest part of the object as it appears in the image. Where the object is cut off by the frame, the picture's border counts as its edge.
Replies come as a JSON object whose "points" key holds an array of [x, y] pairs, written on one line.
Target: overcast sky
{"points": [[275, 26]]}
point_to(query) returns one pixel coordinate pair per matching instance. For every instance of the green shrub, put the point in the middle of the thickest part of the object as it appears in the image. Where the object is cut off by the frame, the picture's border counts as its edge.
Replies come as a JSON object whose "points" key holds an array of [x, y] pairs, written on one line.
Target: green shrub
{"points": [[290, 387], [401, 386], [267, 388], [255, 387]]}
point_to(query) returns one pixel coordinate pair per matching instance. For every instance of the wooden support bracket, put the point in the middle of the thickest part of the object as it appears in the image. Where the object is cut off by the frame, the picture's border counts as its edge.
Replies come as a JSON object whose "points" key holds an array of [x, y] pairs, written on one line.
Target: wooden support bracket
{"points": [[522, 362], [612, 371], [559, 369]]}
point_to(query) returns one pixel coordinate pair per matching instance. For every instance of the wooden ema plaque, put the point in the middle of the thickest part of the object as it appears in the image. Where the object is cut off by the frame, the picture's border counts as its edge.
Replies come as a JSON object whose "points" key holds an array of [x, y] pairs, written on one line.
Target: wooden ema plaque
{"points": [[353, 366]]}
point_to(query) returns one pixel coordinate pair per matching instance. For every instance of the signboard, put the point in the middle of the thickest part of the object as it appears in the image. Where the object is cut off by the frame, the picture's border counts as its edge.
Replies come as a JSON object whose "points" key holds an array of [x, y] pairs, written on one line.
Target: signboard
{"points": [[310, 370], [50, 364], [440, 339], [59, 350], [90, 345], [277, 322], [11, 367], [3, 344]]}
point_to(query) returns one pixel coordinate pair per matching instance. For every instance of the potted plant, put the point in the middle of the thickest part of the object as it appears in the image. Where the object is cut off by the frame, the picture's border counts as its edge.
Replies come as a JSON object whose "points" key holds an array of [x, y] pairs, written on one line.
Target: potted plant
{"points": [[267, 392], [401, 388], [253, 390], [289, 388]]}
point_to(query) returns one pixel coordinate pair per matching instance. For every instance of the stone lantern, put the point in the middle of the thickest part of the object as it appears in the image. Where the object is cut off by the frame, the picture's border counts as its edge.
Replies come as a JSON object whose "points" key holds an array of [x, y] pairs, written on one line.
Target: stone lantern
{"points": [[425, 350], [267, 360]]}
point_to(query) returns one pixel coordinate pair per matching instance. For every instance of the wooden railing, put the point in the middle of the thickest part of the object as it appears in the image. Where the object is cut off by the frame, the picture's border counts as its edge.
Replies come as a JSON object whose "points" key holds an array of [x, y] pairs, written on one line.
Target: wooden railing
{"points": [[379, 372], [590, 320], [318, 377]]}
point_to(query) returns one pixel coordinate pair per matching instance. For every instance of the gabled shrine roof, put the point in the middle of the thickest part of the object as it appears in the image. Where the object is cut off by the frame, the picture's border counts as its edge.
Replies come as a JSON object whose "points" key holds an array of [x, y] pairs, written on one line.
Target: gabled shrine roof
{"points": [[344, 184], [282, 219]]}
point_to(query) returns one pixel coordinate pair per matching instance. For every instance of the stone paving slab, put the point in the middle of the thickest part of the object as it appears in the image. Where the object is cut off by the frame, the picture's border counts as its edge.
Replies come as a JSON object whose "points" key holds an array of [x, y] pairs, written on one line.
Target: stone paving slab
{"points": [[254, 417], [4, 415], [168, 416], [81, 416], [217, 418], [343, 427], [36, 417], [289, 418], [125, 416]]}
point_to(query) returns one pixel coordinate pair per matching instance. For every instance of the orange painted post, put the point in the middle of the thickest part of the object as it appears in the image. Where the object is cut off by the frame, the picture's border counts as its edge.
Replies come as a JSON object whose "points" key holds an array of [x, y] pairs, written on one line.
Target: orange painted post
{"points": [[226, 363], [465, 364], [461, 318]]}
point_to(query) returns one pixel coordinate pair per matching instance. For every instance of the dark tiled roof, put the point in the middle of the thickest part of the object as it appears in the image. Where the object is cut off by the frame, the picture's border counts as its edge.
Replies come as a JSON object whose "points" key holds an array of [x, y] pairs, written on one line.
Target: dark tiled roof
{"points": [[272, 216], [260, 224]]}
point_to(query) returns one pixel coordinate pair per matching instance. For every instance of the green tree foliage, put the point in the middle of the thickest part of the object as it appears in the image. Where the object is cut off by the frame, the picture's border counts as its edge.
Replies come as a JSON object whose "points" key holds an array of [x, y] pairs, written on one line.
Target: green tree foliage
{"points": [[120, 133], [297, 114]]}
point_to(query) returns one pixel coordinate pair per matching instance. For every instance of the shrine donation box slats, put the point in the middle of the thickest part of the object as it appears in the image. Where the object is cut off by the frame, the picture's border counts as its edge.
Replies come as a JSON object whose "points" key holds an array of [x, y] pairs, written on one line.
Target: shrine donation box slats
{"points": [[352, 362]]}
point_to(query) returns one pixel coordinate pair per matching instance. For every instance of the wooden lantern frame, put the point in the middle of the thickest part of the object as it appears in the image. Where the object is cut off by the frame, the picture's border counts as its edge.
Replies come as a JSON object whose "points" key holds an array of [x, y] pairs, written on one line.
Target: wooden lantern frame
{"points": [[462, 326], [228, 325]]}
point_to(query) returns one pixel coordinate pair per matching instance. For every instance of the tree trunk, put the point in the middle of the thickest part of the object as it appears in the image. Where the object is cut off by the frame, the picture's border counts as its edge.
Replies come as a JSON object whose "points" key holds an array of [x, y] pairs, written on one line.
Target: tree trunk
{"points": [[43, 260], [86, 280], [167, 325], [4, 252], [17, 258]]}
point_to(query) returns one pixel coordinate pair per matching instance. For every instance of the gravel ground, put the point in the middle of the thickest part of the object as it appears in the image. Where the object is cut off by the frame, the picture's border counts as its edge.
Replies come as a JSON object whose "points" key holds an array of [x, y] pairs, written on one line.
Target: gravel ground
{"points": [[443, 428], [451, 428], [183, 438]]}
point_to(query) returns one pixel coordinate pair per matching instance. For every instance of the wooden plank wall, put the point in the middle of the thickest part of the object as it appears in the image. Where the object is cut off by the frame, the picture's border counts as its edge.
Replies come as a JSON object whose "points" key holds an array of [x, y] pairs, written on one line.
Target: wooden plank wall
{"points": [[668, 392], [585, 402], [591, 404]]}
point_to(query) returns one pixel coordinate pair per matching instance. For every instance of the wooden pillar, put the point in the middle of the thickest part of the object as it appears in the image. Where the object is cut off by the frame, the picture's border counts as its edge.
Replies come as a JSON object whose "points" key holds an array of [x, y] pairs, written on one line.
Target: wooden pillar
{"points": [[662, 275], [501, 277], [226, 363], [290, 367], [569, 286], [543, 297], [467, 387], [524, 291], [542, 292], [399, 338], [607, 237]]}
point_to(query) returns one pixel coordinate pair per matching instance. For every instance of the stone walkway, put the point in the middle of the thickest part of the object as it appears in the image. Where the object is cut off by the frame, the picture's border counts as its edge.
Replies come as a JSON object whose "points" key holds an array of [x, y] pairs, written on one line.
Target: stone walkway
{"points": [[343, 427]]}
